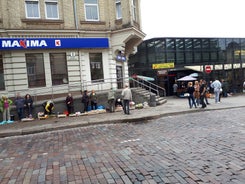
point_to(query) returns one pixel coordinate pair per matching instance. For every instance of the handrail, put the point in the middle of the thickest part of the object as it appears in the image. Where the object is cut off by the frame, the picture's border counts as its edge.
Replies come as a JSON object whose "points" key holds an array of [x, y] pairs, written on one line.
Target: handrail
{"points": [[97, 85], [149, 85]]}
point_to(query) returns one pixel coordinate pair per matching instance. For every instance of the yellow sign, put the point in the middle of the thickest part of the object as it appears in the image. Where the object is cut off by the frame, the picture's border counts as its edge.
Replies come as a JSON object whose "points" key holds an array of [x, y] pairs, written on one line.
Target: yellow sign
{"points": [[162, 65]]}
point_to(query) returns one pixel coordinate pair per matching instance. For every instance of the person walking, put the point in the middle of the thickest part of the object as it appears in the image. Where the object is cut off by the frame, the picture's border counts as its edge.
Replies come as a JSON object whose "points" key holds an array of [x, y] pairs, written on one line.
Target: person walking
{"points": [[5, 103], [175, 88], [197, 93], [216, 85], [111, 100], [69, 104], [202, 93], [190, 91], [29, 105], [127, 97], [93, 100], [19, 103]]}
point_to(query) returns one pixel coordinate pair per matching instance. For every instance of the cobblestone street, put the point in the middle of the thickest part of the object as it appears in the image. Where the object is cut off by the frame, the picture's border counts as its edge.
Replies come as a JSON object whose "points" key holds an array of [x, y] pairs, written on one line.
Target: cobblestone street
{"points": [[201, 147]]}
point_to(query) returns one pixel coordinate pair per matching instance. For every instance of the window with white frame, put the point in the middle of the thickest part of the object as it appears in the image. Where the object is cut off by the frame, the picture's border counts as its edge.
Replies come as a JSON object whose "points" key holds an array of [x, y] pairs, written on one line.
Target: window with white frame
{"points": [[134, 10], [51, 8], [118, 9], [32, 9], [91, 10]]}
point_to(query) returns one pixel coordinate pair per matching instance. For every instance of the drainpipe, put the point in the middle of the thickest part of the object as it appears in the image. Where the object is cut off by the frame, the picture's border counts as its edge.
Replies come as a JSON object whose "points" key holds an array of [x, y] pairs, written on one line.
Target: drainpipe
{"points": [[75, 13]]}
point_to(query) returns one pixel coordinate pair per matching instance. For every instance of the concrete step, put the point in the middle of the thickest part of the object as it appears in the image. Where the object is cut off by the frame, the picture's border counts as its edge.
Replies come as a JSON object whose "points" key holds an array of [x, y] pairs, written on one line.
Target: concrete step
{"points": [[146, 94]]}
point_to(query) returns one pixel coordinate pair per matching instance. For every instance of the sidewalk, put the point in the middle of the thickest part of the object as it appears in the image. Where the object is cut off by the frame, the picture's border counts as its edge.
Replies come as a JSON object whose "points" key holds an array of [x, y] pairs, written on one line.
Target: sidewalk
{"points": [[172, 106]]}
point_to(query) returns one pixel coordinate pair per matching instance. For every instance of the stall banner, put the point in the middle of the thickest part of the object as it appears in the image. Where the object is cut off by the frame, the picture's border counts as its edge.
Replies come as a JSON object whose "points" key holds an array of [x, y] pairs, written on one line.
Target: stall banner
{"points": [[52, 43]]}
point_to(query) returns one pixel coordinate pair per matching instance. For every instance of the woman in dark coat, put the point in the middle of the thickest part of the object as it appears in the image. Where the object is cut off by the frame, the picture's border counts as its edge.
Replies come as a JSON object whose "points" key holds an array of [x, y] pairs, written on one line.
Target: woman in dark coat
{"points": [[28, 104], [69, 104]]}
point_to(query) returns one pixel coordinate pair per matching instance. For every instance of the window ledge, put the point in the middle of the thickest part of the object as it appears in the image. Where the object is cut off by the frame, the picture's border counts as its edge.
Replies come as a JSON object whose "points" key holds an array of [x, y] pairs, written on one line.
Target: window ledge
{"points": [[93, 22], [42, 21]]}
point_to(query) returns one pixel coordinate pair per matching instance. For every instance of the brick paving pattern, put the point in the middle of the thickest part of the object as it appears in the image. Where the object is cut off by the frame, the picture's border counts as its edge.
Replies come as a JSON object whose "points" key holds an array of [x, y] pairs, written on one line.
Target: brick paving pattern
{"points": [[201, 147]]}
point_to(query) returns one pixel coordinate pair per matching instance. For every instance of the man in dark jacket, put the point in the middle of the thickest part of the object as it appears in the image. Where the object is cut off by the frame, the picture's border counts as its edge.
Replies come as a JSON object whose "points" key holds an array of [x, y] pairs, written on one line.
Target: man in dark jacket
{"points": [[19, 103], [85, 101]]}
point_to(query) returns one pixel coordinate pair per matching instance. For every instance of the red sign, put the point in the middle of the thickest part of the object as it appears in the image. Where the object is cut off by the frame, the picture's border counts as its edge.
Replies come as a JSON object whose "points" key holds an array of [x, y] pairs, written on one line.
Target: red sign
{"points": [[208, 69]]}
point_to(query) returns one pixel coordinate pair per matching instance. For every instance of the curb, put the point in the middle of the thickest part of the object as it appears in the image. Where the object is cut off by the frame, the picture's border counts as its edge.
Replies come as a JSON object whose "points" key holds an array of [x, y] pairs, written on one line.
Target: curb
{"points": [[63, 126]]}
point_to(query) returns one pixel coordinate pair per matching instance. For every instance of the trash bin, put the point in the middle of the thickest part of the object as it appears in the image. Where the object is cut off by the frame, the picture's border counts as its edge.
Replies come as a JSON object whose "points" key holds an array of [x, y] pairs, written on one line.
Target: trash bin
{"points": [[152, 100]]}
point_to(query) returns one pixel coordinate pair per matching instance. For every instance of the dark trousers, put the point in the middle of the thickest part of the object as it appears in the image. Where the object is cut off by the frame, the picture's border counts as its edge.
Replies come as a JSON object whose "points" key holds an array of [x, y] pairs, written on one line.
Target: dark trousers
{"points": [[85, 107], [202, 101], [20, 112], [126, 106], [70, 109], [191, 100], [93, 105], [29, 110], [111, 103]]}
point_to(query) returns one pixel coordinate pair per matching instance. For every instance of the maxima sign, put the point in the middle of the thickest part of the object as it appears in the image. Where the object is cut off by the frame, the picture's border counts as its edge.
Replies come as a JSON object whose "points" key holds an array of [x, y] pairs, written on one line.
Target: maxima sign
{"points": [[53, 43]]}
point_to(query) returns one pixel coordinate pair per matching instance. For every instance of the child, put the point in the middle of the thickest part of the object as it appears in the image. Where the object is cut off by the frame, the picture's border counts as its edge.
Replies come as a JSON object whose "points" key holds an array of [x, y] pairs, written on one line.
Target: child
{"points": [[5, 108]]}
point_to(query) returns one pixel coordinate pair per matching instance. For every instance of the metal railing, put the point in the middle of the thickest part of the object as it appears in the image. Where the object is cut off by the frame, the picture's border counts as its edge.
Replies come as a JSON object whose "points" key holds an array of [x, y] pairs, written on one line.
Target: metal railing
{"points": [[151, 87], [101, 85]]}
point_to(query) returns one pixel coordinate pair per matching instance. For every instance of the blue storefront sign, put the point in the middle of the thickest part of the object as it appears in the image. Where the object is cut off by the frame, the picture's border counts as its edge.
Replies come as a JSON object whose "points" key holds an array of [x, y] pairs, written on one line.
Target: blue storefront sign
{"points": [[52, 43]]}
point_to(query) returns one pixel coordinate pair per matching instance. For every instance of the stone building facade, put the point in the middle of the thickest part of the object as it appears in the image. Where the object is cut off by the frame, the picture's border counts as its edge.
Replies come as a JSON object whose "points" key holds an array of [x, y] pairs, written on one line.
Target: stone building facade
{"points": [[54, 46]]}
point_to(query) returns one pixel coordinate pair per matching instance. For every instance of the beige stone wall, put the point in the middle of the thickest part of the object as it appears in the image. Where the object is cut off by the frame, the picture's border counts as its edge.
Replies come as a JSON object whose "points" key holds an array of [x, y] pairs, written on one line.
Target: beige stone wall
{"points": [[13, 16], [123, 34]]}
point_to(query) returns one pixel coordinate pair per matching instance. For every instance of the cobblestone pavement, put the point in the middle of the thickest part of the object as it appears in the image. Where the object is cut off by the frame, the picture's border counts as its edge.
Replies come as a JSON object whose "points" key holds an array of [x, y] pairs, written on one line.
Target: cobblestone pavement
{"points": [[200, 147], [171, 107]]}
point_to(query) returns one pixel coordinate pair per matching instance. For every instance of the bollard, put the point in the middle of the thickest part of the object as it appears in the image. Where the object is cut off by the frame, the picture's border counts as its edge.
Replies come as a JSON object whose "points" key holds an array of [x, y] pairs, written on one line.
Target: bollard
{"points": [[152, 100]]}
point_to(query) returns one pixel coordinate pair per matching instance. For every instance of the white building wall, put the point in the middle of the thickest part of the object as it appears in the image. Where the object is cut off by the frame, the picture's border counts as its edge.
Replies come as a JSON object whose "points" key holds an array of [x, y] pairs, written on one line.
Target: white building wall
{"points": [[73, 67], [15, 71]]}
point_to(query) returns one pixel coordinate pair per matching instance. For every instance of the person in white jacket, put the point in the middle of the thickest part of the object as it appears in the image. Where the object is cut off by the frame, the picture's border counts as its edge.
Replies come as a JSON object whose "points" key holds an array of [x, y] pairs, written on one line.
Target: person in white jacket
{"points": [[216, 85], [127, 97]]}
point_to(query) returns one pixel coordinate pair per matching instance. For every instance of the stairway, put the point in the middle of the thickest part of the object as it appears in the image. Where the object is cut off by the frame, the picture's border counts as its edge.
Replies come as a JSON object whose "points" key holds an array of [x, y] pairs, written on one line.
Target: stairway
{"points": [[145, 95]]}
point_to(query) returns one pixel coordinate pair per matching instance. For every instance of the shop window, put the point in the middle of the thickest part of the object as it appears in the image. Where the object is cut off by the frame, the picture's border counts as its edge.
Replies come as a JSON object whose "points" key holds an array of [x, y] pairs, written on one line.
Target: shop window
{"points": [[171, 57], [91, 10], [58, 66], [96, 66], [180, 44], [2, 82], [118, 9], [188, 57], [205, 57], [197, 57], [32, 9], [170, 44], [35, 70], [180, 57], [51, 9]]}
